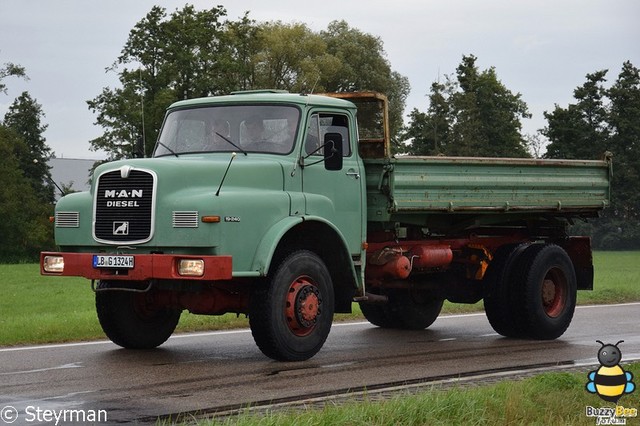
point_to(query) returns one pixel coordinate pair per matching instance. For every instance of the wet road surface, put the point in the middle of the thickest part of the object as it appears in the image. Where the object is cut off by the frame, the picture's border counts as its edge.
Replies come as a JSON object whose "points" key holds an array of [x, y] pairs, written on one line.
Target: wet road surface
{"points": [[206, 371]]}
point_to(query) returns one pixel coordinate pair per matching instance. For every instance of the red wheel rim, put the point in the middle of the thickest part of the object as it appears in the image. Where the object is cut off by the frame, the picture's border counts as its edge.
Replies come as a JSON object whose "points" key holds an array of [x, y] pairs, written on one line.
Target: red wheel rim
{"points": [[554, 293], [303, 307]]}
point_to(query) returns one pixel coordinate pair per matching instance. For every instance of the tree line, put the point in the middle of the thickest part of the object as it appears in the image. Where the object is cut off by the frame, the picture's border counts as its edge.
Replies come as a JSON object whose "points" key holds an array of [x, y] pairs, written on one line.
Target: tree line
{"points": [[471, 113], [192, 53], [26, 193]]}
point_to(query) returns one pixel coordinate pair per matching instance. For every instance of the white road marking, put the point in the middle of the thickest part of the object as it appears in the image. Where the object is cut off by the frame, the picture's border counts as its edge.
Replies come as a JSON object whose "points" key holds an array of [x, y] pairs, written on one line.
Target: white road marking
{"points": [[39, 370], [244, 331]]}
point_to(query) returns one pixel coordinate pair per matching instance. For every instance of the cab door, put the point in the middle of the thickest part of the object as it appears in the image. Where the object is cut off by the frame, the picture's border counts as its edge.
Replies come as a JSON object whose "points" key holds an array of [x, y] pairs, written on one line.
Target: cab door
{"points": [[335, 195]]}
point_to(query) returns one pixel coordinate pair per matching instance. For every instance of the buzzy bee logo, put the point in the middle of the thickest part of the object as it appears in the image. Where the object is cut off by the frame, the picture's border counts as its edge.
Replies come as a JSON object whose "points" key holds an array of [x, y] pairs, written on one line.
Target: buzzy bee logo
{"points": [[610, 382]]}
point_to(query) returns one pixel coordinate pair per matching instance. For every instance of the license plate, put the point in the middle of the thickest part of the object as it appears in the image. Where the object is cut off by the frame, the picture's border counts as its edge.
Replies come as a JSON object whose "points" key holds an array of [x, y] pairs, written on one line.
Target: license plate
{"points": [[112, 261]]}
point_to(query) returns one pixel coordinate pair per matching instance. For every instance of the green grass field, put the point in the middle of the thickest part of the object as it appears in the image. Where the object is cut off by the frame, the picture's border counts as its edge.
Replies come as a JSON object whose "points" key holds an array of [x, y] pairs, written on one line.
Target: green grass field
{"points": [[37, 309]]}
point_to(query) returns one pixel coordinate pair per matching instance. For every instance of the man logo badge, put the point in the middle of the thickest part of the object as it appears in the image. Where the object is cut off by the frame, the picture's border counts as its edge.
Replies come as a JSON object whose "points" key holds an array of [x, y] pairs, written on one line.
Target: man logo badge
{"points": [[120, 228]]}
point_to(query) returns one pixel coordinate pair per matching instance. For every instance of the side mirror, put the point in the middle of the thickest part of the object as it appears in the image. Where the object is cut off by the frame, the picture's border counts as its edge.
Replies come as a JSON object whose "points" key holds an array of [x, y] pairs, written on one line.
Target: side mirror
{"points": [[333, 151]]}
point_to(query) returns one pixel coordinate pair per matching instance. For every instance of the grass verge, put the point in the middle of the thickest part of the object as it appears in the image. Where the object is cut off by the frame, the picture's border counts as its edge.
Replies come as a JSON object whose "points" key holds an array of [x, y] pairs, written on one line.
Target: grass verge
{"points": [[37, 309], [557, 398]]}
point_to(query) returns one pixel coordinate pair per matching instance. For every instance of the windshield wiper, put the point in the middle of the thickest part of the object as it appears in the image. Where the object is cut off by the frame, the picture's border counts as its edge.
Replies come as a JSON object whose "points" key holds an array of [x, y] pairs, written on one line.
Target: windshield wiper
{"points": [[231, 142], [168, 149]]}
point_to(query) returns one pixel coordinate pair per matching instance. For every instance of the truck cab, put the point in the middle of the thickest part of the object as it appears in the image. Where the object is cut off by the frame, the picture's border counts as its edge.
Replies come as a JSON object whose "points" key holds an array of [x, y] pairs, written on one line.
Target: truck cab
{"points": [[237, 185]]}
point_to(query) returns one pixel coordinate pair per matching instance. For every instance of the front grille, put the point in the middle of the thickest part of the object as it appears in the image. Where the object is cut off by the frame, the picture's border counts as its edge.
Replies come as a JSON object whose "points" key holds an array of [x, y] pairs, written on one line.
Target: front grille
{"points": [[124, 204]]}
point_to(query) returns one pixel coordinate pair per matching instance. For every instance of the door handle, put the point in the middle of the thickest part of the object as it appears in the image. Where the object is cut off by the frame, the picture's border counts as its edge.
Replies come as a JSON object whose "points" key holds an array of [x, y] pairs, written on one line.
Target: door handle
{"points": [[353, 173]]}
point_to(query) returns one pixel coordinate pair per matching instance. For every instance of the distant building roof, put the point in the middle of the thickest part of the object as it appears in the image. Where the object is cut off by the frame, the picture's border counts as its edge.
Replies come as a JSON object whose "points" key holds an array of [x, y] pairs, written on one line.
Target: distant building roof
{"points": [[71, 171]]}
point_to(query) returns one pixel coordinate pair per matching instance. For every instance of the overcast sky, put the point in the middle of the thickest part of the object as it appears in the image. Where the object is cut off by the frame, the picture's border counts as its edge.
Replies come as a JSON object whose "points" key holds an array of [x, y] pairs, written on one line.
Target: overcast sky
{"points": [[542, 49]]}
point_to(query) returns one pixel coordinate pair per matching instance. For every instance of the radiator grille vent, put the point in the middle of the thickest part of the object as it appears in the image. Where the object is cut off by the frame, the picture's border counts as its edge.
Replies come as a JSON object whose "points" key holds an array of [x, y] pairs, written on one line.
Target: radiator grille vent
{"points": [[67, 219], [124, 207], [185, 219]]}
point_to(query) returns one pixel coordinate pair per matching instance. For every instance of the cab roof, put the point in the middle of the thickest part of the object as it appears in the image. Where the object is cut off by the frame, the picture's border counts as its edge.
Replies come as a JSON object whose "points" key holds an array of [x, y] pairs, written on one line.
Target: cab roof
{"points": [[265, 96]]}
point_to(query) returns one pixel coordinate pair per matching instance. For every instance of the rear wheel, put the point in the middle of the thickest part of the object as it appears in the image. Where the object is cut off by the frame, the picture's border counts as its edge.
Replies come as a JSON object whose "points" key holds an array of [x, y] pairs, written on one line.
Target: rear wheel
{"points": [[413, 309], [378, 313], [291, 317], [407, 309], [134, 320], [548, 291], [500, 302]]}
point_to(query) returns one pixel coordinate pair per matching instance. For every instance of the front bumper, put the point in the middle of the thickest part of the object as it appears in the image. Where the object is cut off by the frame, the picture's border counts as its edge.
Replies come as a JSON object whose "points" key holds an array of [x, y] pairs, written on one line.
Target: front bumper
{"points": [[146, 267]]}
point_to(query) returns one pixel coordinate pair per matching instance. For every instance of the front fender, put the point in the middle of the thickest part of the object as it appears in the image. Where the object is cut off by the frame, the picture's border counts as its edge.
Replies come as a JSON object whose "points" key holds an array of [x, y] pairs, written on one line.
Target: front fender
{"points": [[269, 243]]}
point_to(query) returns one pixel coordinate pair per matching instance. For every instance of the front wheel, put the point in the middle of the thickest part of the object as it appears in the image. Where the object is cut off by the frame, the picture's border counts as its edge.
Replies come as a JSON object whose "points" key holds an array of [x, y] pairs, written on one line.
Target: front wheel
{"points": [[134, 320], [291, 317]]}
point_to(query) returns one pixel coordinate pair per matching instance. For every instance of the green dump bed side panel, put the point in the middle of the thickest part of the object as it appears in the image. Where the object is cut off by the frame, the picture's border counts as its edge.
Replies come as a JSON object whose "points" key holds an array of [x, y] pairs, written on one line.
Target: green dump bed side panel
{"points": [[485, 185]]}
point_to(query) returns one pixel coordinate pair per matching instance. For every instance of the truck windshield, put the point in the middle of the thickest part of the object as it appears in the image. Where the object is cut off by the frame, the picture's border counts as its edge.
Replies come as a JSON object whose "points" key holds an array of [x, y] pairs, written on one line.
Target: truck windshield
{"points": [[245, 128]]}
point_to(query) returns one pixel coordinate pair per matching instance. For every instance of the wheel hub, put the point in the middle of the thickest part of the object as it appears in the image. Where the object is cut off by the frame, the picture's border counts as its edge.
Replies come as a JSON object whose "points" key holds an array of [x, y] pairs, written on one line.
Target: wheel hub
{"points": [[554, 295], [303, 306]]}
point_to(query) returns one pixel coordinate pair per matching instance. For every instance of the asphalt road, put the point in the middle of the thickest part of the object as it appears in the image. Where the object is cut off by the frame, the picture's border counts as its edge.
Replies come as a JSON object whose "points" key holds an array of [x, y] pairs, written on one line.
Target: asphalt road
{"points": [[220, 369]]}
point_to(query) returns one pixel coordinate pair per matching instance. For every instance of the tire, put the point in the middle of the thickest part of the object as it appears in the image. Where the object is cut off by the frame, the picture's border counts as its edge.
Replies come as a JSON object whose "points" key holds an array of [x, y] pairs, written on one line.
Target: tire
{"points": [[547, 288], [406, 310], [500, 302], [412, 309], [131, 320], [291, 317], [377, 313]]}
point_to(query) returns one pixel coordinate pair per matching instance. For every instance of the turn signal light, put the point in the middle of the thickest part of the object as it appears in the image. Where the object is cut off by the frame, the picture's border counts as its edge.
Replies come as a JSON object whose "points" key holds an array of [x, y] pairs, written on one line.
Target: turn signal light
{"points": [[191, 267], [210, 219], [53, 264]]}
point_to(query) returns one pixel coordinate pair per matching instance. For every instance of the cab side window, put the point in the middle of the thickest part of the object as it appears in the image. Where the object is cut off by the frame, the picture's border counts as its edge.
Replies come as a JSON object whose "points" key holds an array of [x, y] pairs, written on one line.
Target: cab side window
{"points": [[321, 124]]}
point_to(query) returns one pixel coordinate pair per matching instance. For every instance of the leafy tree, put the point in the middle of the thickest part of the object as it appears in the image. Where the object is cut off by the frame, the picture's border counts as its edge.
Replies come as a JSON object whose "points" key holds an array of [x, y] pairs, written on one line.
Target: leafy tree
{"points": [[293, 58], [197, 53], [10, 69], [363, 66], [430, 132], [580, 131], [24, 228], [624, 142], [535, 144], [24, 116], [67, 188], [175, 58], [243, 44], [473, 115], [605, 119]]}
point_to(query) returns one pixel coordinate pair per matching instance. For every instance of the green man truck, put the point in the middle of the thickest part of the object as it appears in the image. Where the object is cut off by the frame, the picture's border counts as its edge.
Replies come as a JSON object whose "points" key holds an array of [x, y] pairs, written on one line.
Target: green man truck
{"points": [[290, 207]]}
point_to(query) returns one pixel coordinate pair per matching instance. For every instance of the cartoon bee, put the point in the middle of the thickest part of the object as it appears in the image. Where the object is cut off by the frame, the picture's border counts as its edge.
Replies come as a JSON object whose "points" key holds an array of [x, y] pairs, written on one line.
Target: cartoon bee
{"points": [[610, 381]]}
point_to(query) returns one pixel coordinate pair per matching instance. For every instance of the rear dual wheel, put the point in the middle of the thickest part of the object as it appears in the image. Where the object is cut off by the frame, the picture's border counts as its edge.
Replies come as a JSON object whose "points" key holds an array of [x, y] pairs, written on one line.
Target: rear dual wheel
{"points": [[531, 291], [500, 298], [548, 291]]}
